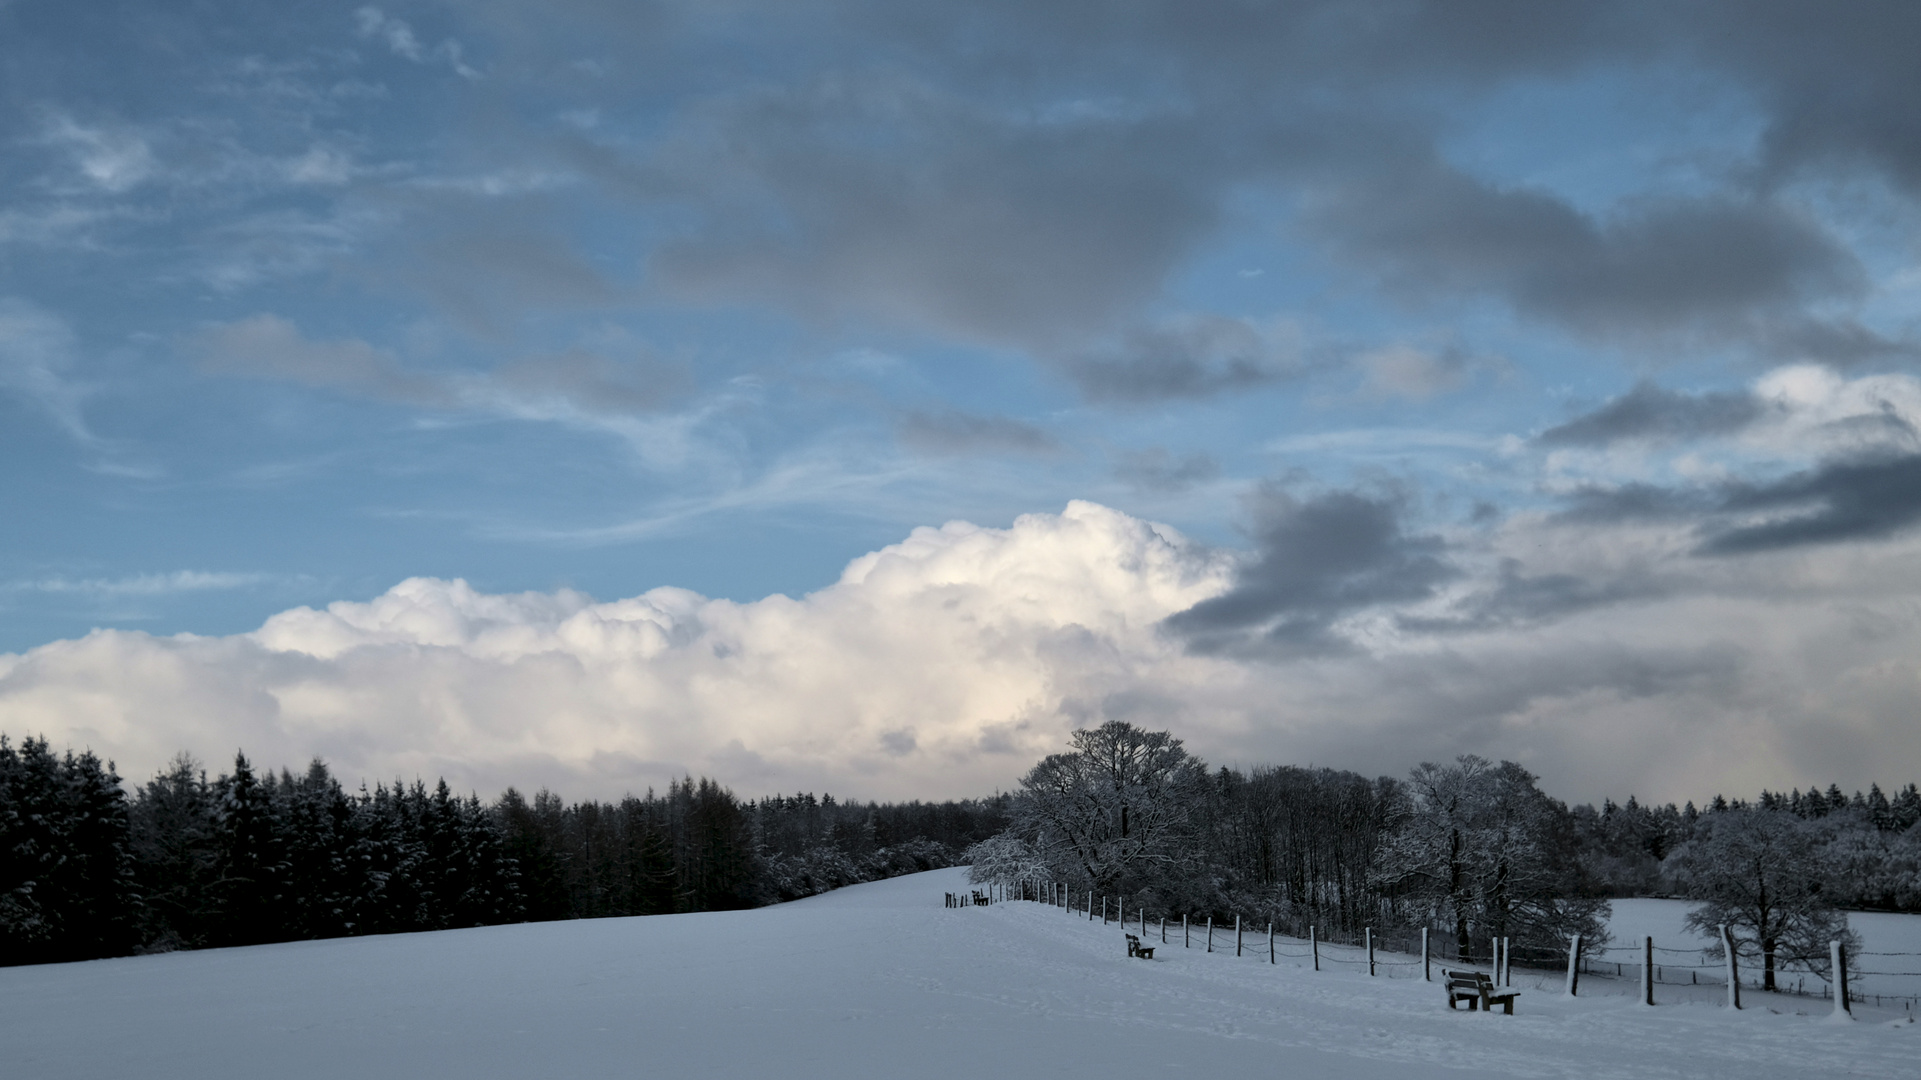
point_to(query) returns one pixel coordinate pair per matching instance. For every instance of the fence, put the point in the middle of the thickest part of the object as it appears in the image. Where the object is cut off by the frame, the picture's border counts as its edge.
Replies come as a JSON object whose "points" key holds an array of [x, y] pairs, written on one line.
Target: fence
{"points": [[1653, 965], [1701, 967]]}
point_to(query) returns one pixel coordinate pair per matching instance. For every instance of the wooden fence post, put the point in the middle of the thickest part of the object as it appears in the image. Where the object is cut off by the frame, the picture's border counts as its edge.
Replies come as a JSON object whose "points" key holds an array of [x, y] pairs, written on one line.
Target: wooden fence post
{"points": [[1838, 979], [1734, 968], [1187, 939], [1507, 960], [1368, 936], [1210, 933], [1270, 943], [1574, 966], [1237, 935], [1647, 971], [1427, 970], [1163, 927], [1314, 945]]}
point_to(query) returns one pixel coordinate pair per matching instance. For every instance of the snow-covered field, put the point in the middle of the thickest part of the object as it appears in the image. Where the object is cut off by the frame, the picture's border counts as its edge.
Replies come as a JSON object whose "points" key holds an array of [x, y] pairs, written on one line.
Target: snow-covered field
{"points": [[877, 980], [1881, 932]]}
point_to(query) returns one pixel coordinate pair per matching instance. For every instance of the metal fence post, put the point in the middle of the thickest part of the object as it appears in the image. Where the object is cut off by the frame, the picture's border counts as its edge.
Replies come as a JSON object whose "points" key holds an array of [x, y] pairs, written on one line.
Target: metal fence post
{"points": [[1647, 971]]}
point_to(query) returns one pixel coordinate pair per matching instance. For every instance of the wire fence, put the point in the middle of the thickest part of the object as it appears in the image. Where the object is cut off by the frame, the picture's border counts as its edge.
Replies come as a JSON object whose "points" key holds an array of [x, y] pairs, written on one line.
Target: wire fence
{"points": [[1698, 966]]}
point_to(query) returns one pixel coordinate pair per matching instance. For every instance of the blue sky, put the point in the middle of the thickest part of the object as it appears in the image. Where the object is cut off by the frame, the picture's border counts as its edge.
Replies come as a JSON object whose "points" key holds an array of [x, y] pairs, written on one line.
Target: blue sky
{"points": [[1446, 322]]}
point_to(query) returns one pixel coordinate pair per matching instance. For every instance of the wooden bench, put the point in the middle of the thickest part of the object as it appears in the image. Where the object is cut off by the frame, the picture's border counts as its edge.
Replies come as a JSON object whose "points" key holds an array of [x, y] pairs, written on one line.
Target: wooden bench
{"points": [[1478, 991], [1135, 948]]}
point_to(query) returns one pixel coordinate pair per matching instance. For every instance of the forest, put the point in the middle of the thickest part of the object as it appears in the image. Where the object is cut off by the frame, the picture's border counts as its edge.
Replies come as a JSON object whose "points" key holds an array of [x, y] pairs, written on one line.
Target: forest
{"points": [[186, 861], [1470, 849]]}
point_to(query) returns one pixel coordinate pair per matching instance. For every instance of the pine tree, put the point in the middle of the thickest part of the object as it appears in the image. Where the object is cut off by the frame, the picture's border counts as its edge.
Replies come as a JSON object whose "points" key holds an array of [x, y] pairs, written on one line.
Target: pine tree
{"points": [[250, 886], [174, 821]]}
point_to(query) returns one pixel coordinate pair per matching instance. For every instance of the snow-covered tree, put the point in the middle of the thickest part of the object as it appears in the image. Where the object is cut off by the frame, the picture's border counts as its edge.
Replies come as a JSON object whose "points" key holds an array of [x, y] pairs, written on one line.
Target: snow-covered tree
{"points": [[1115, 811], [1761, 874], [1483, 847], [1005, 859]]}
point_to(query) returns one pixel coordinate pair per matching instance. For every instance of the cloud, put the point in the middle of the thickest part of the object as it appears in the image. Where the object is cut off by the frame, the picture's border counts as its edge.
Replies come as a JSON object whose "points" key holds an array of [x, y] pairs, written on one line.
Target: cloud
{"points": [[1675, 265], [1189, 357], [581, 385], [946, 664], [399, 37], [178, 581], [1840, 501], [954, 432], [1415, 374], [1648, 413], [887, 682], [113, 159], [887, 196], [37, 355], [267, 346], [1157, 470], [1315, 561]]}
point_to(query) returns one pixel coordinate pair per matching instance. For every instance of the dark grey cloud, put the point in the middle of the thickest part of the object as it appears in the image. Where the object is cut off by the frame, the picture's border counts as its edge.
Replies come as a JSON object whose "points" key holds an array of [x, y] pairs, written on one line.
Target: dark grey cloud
{"points": [[1314, 561], [1836, 502], [1157, 470], [1515, 597], [953, 432], [1723, 264], [881, 196], [1025, 174], [1648, 413], [1188, 358], [1631, 502], [1840, 84]]}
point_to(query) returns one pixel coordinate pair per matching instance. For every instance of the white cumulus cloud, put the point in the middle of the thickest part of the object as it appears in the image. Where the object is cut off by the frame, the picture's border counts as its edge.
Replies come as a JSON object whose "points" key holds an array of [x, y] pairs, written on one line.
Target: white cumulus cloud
{"points": [[946, 664], [943, 663]]}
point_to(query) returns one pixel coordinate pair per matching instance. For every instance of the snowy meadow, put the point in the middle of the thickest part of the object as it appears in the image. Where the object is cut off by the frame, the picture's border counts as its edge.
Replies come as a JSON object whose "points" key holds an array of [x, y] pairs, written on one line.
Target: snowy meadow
{"points": [[875, 980]]}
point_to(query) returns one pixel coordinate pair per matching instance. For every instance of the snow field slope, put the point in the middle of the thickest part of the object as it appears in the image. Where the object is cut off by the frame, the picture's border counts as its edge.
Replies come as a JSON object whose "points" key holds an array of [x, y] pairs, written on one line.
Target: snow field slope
{"points": [[876, 980]]}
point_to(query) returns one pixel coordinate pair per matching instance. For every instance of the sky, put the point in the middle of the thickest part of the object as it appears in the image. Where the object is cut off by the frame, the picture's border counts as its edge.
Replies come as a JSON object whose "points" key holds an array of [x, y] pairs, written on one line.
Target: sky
{"points": [[860, 396]]}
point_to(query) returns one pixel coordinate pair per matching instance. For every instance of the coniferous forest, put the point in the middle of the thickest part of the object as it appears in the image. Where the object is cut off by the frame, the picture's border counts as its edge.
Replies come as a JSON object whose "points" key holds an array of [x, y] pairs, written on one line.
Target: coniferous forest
{"points": [[185, 860]]}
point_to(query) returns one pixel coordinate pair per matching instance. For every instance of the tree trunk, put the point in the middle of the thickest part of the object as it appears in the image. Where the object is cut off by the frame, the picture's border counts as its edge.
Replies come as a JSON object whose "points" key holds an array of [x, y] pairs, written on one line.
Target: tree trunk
{"points": [[1456, 888]]}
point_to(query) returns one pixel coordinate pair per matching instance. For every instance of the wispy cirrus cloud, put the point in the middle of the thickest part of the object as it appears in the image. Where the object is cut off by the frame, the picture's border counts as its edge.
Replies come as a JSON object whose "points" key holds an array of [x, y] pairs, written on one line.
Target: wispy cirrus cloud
{"points": [[140, 585]]}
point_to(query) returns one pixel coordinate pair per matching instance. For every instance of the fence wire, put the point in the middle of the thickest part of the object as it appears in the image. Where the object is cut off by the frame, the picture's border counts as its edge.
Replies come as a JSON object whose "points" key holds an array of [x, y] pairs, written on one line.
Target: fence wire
{"points": [[1322, 950]]}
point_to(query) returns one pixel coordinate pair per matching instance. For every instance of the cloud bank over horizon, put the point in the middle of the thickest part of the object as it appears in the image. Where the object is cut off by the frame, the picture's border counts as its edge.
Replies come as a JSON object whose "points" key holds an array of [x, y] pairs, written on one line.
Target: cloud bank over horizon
{"points": [[1610, 659]]}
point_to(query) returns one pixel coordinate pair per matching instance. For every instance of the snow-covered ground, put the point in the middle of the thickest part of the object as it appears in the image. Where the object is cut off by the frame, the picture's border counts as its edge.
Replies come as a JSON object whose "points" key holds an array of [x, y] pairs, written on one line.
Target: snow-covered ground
{"points": [[1664, 920], [877, 980]]}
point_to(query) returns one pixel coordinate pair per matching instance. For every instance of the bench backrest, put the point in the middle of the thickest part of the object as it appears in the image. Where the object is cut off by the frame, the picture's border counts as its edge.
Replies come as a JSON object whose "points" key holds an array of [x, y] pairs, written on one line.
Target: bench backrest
{"points": [[1468, 980], [1133, 939]]}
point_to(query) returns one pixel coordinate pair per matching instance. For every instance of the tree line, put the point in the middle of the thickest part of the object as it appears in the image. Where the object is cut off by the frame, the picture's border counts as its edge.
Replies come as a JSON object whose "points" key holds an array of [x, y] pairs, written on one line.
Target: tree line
{"points": [[88, 869], [1470, 850]]}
